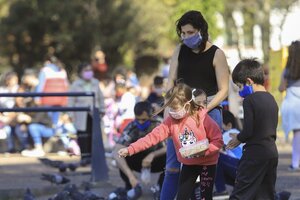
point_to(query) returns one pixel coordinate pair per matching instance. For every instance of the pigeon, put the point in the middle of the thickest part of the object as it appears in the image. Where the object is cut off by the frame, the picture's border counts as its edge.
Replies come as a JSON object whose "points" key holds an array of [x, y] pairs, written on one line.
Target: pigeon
{"points": [[51, 163], [28, 195], [55, 178], [63, 195], [62, 167], [73, 166], [74, 192], [89, 195]]}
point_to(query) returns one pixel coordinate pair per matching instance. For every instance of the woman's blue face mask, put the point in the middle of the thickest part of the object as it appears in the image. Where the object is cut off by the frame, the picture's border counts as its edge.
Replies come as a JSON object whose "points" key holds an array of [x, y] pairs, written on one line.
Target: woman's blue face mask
{"points": [[194, 41], [247, 90], [143, 126]]}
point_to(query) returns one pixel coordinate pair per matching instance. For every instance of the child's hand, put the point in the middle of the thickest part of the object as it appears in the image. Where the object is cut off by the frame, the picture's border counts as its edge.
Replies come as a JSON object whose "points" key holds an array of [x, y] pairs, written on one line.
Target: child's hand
{"points": [[123, 152], [234, 142]]}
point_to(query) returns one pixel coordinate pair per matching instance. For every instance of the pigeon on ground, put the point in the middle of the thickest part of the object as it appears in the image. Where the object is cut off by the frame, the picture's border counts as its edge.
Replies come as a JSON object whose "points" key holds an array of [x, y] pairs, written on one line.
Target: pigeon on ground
{"points": [[63, 195], [74, 192], [73, 166], [55, 178], [28, 195], [89, 195], [51, 163]]}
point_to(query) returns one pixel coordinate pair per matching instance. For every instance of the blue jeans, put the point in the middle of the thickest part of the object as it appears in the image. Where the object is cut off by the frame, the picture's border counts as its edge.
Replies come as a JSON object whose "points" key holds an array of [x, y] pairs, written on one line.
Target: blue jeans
{"points": [[170, 184], [21, 135], [39, 131], [226, 172]]}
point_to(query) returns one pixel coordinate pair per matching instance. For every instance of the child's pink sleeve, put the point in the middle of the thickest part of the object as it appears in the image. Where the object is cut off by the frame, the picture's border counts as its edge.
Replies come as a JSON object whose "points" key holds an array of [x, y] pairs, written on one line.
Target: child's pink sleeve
{"points": [[213, 134], [158, 134]]}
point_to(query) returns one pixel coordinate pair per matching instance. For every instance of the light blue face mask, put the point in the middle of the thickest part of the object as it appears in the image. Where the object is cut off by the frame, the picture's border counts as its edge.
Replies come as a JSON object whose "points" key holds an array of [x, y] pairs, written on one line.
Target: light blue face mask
{"points": [[194, 41], [247, 90]]}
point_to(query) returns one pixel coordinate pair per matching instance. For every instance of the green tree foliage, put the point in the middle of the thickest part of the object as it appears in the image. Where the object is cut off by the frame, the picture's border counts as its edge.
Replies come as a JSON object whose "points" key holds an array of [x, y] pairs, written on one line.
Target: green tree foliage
{"points": [[72, 30], [68, 29]]}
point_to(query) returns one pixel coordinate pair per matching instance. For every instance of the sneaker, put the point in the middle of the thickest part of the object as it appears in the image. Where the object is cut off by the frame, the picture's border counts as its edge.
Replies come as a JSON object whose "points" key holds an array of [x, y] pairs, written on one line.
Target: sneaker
{"points": [[134, 193], [33, 153], [293, 169], [155, 189], [284, 195], [218, 194]]}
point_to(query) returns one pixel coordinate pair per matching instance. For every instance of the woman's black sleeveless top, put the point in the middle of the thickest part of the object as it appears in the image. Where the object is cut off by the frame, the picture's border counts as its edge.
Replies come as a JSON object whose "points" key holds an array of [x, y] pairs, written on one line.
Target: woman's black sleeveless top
{"points": [[197, 69]]}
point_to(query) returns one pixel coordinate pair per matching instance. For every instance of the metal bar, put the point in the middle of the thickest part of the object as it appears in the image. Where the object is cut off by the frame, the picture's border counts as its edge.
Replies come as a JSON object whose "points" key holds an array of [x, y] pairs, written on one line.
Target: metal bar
{"points": [[45, 109], [49, 94]]}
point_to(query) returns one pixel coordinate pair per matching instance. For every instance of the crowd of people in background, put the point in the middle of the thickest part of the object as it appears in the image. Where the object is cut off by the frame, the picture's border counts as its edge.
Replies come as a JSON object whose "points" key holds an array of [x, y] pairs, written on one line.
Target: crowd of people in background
{"points": [[116, 96]]}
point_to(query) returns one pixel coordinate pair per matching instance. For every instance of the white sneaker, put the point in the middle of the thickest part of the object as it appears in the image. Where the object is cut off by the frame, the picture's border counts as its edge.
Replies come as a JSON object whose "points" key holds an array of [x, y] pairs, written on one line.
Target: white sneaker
{"points": [[33, 153]]}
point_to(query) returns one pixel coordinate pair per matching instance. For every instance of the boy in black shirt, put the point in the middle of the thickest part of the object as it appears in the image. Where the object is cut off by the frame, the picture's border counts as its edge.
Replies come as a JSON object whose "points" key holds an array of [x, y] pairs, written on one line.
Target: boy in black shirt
{"points": [[256, 173]]}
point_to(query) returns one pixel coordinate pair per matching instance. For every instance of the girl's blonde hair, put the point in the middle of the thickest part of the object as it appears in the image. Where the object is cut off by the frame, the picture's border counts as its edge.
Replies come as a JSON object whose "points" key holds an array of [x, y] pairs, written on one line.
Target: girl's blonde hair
{"points": [[179, 95]]}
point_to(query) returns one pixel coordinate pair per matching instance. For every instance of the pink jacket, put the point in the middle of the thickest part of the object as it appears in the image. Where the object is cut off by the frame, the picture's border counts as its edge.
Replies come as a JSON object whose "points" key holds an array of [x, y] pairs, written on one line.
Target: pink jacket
{"points": [[182, 132]]}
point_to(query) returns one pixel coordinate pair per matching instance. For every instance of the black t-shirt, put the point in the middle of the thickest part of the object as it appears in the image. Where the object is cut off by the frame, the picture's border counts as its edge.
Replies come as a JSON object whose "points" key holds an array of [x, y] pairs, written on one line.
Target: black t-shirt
{"points": [[260, 123], [197, 69]]}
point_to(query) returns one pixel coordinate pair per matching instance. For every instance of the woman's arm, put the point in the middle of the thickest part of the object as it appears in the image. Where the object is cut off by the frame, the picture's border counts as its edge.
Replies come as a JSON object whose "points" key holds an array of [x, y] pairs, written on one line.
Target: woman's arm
{"points": [[222, 76], [173, 68], [172, 73]]}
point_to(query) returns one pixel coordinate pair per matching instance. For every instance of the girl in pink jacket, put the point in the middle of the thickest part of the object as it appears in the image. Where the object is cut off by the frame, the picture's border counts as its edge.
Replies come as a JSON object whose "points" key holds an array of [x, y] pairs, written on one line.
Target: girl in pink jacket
{"points": [[188, 124]]}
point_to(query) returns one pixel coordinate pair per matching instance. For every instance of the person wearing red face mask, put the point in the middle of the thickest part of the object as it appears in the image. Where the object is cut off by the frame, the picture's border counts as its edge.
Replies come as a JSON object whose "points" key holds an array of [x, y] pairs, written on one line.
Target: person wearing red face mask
{"points": [[83, 120], [99, 65]]}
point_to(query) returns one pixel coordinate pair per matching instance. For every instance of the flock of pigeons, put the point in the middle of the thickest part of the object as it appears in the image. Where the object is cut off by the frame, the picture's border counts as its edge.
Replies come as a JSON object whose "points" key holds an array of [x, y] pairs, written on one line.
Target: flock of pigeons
{"points": [[70, 191]]}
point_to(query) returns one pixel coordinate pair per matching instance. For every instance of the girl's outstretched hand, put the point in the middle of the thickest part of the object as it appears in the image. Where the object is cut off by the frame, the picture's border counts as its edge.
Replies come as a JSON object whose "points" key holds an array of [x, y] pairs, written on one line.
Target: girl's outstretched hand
{"points": [[123, 152]]}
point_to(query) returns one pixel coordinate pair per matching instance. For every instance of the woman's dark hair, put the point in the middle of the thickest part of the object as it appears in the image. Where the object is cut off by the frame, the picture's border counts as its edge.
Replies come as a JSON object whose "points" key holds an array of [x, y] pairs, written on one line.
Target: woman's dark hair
{"points": [[143, 106], [195, 19], [81, 66], [248, 68], [293, 62]]}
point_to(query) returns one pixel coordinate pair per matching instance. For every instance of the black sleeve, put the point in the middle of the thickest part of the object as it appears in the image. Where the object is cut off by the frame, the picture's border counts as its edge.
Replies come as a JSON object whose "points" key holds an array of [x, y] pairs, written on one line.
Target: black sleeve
{"points": [[248, 121]]}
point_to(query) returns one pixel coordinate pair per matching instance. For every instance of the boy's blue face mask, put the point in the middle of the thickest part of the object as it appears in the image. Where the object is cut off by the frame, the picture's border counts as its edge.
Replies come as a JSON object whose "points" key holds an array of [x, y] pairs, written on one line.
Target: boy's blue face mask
{"points": [[194, 41], [247, 90], [143, 126]]}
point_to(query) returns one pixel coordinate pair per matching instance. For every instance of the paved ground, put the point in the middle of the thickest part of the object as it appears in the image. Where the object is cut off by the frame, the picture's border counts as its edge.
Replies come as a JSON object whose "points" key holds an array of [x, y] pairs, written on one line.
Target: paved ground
{"points": [[17, 173]]}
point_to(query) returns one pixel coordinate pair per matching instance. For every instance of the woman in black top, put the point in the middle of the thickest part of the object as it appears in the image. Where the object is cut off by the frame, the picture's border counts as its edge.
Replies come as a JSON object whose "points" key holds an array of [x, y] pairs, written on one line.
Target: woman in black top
{"points": [[201, 65]]}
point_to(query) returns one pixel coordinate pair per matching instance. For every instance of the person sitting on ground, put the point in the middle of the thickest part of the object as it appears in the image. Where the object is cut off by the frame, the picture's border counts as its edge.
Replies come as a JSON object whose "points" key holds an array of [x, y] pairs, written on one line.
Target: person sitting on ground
{"points": [[153, 158], [39, 126], [229, 159]]}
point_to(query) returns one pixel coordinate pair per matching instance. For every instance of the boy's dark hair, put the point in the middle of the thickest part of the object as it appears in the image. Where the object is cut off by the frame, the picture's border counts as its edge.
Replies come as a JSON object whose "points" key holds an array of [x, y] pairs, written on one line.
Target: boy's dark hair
{"points": [[228, 117], [196, 19], [81, 66], [158, 80], [142, 106], [248, 68]]}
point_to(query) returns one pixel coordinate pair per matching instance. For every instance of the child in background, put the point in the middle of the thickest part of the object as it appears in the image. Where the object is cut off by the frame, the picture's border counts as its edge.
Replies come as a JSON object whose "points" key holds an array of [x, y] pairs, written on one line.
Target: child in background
{"points": [[257, 170], [187, 124], [229, 159], [156, 96], [66, 131]]}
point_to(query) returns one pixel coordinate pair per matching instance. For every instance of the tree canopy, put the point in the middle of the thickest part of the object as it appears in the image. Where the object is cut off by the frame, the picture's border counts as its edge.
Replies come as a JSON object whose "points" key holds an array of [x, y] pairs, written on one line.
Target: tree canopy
{"points": [[72, 30]]}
